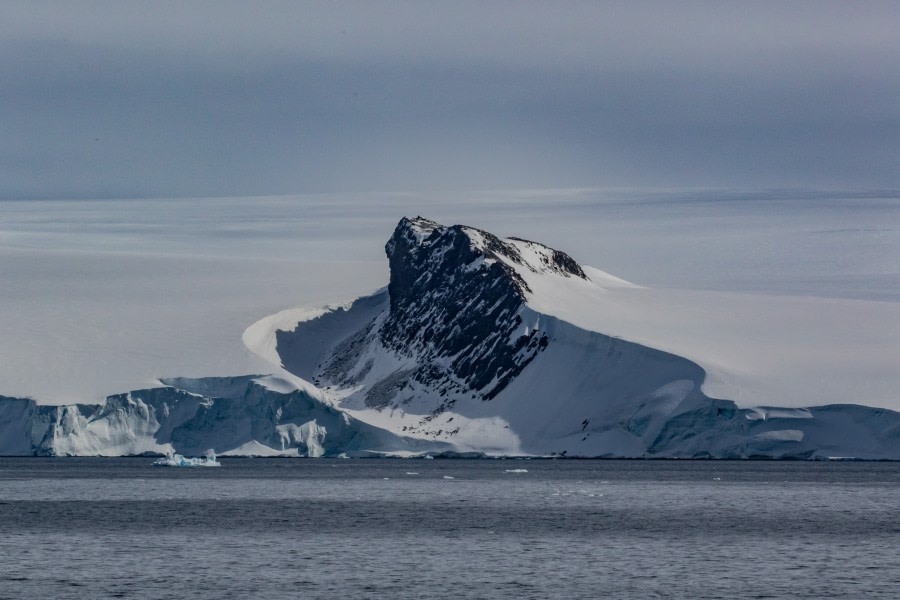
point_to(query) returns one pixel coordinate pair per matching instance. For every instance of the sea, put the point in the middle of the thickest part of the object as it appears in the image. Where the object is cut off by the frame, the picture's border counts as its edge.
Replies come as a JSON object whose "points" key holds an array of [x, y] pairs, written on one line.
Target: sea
{"points": [[448, 528]]}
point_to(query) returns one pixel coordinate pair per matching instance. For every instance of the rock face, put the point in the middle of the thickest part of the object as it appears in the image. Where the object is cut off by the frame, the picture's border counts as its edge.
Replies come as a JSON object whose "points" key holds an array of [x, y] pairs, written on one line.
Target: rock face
{"points": [[455, 304], [241, 415], [454, 318]]}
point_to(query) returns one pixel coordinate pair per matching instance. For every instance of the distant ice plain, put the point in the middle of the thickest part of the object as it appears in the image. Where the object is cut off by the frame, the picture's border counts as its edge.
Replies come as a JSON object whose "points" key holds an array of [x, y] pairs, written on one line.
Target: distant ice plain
{"points": [[101, 297]]}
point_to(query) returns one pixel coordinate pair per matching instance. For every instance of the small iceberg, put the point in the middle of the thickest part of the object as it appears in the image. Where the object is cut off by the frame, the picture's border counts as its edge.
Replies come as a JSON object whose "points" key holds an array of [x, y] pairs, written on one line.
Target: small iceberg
{"points": [[517, 470], [177, 460]]}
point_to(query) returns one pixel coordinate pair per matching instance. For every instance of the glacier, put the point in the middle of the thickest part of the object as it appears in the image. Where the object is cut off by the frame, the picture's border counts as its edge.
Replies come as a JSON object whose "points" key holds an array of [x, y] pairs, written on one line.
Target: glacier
{"points": [[247, 416]]}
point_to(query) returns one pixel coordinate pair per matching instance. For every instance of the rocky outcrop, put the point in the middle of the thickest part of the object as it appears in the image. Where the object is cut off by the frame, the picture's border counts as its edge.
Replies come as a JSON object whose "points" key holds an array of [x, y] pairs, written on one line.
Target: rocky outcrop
{"points": [[455, 309]]}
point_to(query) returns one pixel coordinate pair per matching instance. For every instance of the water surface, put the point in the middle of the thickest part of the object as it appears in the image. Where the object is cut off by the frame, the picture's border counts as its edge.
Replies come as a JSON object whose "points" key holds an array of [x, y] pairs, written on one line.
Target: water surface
{"points": [[285, 528]]}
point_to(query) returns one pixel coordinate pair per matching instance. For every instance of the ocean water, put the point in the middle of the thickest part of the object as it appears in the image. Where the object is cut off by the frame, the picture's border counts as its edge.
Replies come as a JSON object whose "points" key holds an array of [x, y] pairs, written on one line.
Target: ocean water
{"points": [[308, 528]]}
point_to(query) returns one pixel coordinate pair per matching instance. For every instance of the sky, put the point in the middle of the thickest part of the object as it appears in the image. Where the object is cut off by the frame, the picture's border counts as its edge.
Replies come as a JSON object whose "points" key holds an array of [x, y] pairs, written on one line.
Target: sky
{"points": [[199, 99]]}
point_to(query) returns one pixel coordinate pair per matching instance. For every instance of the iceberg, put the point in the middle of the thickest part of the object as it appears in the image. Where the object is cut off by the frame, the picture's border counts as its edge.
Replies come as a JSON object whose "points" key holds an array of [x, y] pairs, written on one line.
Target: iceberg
{"points": [[177, 460]]}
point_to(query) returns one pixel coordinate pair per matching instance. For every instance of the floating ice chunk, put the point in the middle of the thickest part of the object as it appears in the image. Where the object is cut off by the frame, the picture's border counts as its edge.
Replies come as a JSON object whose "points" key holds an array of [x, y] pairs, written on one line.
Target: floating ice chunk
{"points": [[428, 457], [411, 473], [517, 470], [343, 455], [449, 477], [177, 460]]}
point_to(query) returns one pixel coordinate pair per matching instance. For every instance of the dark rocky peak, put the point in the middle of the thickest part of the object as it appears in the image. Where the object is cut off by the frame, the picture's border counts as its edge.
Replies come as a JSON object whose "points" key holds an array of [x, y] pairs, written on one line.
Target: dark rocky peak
{"points": [[426, 246], [410, 234], [423, 255], [456, 299]]}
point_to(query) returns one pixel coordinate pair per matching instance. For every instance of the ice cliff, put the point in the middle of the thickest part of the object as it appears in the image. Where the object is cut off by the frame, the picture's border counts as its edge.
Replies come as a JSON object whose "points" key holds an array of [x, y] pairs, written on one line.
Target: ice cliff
{"points": [[250, 415]]}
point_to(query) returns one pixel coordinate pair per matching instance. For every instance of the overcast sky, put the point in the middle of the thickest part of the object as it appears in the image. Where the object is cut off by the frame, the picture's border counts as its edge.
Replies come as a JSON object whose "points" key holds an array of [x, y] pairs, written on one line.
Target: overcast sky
{"points": [[144, 99]]}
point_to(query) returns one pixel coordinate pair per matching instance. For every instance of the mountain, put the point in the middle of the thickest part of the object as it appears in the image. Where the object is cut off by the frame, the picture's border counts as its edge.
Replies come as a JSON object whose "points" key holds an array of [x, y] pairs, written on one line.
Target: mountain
{"points": [[495, 346], [476, 343], [249, 415]]}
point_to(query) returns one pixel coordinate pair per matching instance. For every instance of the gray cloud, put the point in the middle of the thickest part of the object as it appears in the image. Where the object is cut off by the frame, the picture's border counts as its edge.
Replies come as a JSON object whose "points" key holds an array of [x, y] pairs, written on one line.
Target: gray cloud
{"points": [[200, 99]]}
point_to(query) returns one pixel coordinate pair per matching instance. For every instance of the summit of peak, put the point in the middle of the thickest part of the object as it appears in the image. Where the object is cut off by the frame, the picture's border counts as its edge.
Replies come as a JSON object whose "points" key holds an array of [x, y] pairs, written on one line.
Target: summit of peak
{"points": [[419, 223], [414, 233]]}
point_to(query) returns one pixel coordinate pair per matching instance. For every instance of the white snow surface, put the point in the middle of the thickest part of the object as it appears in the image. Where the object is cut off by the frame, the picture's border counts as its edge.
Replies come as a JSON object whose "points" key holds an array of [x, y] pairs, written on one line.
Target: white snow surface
{"points": [[756, 349], [260, 337]]}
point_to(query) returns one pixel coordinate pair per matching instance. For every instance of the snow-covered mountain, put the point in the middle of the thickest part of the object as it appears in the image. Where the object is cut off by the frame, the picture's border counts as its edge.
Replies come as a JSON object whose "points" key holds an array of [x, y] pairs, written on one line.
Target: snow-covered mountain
{"points": [[479, 342], [509, 347]]}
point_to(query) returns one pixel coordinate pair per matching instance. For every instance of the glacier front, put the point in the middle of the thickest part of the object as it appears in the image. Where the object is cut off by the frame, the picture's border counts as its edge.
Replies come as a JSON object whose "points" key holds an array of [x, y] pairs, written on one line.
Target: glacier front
{"points": [[246, 416]]}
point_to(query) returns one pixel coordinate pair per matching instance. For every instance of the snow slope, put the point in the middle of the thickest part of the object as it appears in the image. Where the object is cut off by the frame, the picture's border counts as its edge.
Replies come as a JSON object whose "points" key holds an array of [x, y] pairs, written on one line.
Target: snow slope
{"points": [[755, 349], [508, 346]]}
